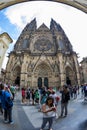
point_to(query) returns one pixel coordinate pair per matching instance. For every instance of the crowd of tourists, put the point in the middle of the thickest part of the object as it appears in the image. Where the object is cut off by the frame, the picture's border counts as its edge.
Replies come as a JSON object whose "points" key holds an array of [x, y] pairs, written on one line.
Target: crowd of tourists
{"points": [[47, 99]]}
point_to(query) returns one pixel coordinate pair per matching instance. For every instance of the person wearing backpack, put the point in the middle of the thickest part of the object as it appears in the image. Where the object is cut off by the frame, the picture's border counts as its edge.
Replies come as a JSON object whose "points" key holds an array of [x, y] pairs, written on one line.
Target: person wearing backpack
{"points": [[7, 104], [1, 109]]}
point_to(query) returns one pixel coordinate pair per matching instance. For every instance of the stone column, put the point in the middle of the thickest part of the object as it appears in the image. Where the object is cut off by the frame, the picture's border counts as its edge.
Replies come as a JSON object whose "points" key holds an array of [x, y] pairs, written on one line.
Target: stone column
{"points": [[23, 75], [77, 68], [61, 69]]}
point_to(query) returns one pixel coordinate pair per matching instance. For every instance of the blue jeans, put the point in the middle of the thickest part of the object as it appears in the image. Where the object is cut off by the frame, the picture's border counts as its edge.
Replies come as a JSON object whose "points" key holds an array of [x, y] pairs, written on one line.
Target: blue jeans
{"points": [[64, 107], [49, 120]]}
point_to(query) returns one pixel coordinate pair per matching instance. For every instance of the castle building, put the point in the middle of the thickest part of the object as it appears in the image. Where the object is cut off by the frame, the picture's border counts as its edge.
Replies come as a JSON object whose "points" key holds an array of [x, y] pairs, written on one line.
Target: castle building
{"points": [[43, 57]]}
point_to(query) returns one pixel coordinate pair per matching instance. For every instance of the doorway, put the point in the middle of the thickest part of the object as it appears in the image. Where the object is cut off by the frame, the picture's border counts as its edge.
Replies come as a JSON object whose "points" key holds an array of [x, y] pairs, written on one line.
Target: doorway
{"points": [[39, 82], [46, 82], [17, 81], [42, 82]]}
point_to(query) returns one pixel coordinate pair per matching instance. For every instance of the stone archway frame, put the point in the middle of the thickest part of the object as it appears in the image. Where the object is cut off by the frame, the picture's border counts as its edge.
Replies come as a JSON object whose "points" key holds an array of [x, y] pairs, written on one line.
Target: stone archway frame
{"points": [[40, 61], [42, 70], [43, 64], [79, 4], [15, 69], [71, 69], [68, 65]]}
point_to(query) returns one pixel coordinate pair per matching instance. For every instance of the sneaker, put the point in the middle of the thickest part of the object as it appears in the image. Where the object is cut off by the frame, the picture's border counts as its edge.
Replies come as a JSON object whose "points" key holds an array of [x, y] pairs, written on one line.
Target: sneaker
{"points": [[11, 122], [65, 116], [39, 110], [60, 116], [5, 121]]}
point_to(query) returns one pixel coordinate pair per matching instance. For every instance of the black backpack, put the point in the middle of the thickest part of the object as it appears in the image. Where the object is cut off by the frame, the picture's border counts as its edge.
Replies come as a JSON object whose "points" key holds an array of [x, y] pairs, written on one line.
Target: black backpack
{"points": [[9, 102]]}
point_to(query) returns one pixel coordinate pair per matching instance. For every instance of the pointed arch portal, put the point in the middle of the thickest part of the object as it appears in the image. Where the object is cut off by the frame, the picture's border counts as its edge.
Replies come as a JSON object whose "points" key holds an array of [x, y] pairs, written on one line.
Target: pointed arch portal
{"points": [[43, 72], [16, 74], [70, 76], [68, 81]]}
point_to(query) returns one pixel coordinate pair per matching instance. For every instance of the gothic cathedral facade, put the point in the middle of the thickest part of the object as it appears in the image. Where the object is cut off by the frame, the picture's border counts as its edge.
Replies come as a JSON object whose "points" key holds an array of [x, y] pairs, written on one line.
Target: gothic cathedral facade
{"points": [[43, 57]]}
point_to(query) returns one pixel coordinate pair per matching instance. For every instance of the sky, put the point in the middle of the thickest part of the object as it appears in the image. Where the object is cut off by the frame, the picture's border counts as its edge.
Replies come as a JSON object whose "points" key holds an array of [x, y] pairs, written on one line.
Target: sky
{"points": [[73, 21]]}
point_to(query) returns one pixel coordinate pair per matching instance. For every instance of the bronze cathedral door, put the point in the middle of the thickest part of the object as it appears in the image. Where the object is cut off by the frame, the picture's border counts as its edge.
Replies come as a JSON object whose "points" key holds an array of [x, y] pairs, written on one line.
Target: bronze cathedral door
{"points": [[46, 82], [43, 82]]}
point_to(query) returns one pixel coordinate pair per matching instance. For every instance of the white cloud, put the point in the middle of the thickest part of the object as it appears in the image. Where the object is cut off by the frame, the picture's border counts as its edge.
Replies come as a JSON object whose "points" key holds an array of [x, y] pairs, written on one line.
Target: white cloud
{"points": [[21, 15], [73, 21]]}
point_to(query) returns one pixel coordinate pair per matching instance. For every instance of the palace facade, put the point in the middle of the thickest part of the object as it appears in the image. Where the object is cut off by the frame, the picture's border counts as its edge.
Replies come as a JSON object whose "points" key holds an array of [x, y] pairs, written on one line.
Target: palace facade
{"points": [[43, 57]]}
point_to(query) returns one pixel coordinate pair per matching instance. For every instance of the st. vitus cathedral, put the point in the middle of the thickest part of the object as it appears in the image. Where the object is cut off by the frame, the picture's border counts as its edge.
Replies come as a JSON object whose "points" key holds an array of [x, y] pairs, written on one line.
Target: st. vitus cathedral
{"points": [[43, 57]]}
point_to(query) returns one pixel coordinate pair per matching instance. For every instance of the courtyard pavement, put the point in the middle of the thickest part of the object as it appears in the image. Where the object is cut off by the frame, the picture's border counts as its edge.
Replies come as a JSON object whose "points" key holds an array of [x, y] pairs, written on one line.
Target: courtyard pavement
{"points": [[27, 117]]}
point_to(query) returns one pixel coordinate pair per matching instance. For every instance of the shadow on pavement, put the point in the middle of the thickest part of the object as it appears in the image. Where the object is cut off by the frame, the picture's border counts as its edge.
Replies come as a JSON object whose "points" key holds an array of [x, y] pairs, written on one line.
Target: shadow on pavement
{"points": [[83, 125]]}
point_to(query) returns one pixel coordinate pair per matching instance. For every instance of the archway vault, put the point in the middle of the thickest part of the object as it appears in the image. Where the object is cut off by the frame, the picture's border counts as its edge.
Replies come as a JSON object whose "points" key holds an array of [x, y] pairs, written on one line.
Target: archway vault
{"points": [[79, 4]]}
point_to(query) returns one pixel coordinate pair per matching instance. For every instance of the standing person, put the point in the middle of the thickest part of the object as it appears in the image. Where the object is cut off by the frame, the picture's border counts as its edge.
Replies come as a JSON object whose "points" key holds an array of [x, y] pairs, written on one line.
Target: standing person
{"points": [[56, 100], [28, 95], [48, 110], [7, 104], [33, 96], [1, 109], [85, 92], [36, 93], [43, 99], [55, 97], [40, 95], [65, 97], [23, 95], [82, 90], [13, 90], [75, 92]]}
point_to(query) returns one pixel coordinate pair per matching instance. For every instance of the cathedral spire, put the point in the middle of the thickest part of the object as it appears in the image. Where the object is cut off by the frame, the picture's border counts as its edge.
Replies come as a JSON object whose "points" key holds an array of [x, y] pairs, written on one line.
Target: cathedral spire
{"points": [[28, 30], [31, 26], [55, 26]]}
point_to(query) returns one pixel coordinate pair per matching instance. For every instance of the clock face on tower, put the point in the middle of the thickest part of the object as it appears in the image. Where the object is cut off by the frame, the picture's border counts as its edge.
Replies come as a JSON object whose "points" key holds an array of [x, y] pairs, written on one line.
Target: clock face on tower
{"points": [[43, 44]]}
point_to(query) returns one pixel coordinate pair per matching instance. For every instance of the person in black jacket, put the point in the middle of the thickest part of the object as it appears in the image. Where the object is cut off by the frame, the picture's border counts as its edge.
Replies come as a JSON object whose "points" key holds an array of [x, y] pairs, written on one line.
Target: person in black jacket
{"points": [[65, 97]]}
